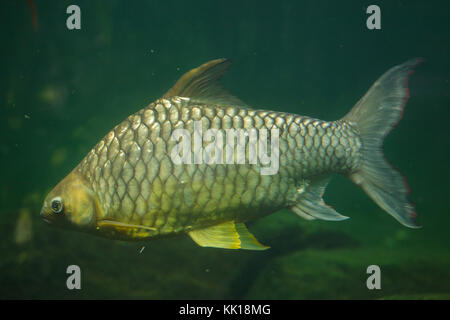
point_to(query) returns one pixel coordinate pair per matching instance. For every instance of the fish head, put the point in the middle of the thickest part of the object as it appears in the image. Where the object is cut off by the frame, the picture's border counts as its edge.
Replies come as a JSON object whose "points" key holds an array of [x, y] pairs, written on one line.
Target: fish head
{"points": [[71, 204]]}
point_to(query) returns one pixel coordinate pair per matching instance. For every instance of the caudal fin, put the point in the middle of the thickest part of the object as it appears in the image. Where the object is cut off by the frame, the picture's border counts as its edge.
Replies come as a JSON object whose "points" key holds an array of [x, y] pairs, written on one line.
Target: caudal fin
{"points": [[375, 115]]}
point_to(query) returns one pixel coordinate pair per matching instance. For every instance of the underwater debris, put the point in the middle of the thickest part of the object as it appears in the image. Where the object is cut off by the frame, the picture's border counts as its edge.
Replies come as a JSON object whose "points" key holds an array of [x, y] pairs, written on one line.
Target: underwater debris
{"points": [[58, 156], [34, 16], [24, 227]]}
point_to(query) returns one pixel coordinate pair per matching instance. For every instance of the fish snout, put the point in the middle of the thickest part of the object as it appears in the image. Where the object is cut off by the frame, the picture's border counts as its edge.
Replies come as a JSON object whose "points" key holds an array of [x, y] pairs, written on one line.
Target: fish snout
{"points": [[45, 215]]}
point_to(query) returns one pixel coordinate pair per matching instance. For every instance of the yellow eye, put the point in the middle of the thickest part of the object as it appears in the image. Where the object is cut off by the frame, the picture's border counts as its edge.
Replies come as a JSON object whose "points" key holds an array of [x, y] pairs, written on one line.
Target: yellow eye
{"points": [[57, 205]]}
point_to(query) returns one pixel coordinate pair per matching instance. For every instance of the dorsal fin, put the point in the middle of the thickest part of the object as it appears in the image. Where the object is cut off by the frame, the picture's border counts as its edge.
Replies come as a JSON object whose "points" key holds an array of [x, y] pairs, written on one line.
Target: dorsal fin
{"points": [[202, 84]]}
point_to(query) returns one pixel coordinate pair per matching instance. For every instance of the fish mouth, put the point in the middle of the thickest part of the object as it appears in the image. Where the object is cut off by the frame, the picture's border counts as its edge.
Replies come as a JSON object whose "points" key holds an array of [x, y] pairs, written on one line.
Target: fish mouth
{"points": [[45, 217]]}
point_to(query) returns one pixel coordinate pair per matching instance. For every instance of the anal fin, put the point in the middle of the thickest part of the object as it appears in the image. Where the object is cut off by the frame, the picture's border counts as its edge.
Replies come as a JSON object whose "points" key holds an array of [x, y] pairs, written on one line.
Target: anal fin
{"points": [[227, 235], [311, 206]]}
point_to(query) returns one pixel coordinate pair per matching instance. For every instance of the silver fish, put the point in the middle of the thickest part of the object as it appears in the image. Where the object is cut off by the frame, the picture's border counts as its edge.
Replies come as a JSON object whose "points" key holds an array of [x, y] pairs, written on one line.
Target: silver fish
{"points": [[129, 186]]}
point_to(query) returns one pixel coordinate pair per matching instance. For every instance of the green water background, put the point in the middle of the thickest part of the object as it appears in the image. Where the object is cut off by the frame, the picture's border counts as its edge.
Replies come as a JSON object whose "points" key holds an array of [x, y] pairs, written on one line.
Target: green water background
{"points": [[61, 91]]}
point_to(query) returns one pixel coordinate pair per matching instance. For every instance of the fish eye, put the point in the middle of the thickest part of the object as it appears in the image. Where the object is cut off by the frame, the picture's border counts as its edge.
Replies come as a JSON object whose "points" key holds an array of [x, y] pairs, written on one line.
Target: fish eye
{"points": [[57, 205]]}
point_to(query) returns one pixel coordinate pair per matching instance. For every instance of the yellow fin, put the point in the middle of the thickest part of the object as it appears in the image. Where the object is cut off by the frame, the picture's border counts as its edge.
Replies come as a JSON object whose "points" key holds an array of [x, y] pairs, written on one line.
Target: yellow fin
{"points": [[248, 240], [120, 230], [202, 84], [227, 235]]}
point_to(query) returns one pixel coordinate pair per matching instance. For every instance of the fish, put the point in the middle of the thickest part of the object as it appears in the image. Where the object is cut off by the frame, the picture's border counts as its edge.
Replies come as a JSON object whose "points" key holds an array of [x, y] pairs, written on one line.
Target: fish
{"points": [[139, 182]]}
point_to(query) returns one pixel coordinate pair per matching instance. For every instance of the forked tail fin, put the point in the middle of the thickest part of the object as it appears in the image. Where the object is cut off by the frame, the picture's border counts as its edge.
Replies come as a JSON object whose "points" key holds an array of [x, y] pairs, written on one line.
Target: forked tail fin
{"points": [[375, 115]]}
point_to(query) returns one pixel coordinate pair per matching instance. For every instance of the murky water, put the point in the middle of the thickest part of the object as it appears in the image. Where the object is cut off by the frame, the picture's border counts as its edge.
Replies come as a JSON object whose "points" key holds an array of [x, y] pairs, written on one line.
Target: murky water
{"points": [[62, 90]]}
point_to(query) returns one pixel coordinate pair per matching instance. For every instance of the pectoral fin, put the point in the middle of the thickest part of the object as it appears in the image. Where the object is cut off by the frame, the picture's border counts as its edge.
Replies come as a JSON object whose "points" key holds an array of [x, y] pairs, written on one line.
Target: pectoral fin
{"points": [[227, 235], [311, 205], [120, 230]]}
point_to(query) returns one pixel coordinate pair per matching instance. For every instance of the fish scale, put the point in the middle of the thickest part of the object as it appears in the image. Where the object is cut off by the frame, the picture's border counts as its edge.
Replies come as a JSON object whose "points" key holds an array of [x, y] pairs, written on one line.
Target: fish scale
{"points": [[145, 186], [130, 187]]}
